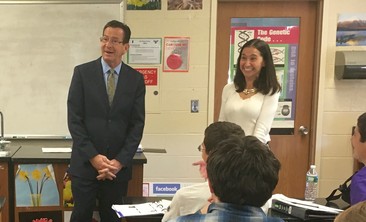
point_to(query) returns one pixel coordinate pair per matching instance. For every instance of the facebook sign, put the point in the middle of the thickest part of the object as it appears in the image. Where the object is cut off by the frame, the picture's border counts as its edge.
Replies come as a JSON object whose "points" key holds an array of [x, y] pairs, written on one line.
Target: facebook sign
{"points": [[165, 188]]}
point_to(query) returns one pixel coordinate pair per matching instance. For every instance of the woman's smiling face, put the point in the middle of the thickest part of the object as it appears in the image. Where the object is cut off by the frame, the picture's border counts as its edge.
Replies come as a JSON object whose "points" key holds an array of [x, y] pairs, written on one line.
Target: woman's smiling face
{"points": [[251, 63]]}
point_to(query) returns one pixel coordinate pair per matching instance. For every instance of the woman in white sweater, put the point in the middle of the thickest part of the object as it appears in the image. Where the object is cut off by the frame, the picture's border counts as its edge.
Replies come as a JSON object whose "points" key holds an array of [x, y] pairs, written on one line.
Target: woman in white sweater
{"points": [[252, 99]]}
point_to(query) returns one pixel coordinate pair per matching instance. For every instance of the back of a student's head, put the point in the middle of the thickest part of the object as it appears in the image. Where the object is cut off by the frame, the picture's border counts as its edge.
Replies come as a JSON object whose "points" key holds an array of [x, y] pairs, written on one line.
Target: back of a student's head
{"points": [[356, 213], [243, 171], [219, 131], [361, 124]]}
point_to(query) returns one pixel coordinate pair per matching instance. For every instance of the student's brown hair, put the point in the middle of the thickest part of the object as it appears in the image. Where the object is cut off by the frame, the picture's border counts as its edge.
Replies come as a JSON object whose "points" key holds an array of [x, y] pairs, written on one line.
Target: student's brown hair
{"points": [[356, 213]]}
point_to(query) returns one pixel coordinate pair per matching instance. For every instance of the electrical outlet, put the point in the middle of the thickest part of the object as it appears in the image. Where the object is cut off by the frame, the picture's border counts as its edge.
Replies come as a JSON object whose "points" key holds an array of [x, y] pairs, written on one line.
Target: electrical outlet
{"points": [[194, 106]]}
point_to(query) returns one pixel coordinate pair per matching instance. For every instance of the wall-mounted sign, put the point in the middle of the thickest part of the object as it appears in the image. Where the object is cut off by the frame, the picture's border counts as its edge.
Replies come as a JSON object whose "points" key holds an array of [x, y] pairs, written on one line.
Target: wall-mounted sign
{"points": [[150, 75], [144, 51], [176, 54]]}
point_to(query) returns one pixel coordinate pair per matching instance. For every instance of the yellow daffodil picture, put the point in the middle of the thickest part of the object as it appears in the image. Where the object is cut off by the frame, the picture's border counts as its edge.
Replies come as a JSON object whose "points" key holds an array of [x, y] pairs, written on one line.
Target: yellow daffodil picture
{"points": [[35, 185]]}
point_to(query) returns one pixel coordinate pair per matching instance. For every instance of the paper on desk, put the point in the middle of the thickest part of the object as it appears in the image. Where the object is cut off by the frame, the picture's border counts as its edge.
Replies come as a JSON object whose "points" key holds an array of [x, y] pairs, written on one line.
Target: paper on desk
{"points": [[56, 150], [4, 153], [149, 208], [305, 204], [140, 149]]}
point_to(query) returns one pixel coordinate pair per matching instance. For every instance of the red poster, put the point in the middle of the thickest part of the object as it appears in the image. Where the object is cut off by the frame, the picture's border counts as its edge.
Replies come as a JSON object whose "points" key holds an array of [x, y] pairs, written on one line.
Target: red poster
{"points": [[176, 54]]}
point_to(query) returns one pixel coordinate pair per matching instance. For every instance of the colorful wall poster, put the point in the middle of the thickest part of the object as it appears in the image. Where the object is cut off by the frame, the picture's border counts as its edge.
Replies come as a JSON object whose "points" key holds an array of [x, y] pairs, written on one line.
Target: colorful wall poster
{"points": [[282, 35], [176, 54], [351, 29], [143, 4], [35, 186], [184, 4]]}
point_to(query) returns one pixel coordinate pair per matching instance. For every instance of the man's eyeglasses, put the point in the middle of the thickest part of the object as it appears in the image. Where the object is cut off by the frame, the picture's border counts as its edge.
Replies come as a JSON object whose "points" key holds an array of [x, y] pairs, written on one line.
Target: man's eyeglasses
{"points": [[200, 148], [106, 39]]}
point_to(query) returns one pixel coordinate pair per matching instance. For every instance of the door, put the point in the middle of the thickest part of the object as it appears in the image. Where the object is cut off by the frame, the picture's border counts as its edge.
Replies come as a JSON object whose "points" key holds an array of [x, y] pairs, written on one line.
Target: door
{"points": [[295, 151]]}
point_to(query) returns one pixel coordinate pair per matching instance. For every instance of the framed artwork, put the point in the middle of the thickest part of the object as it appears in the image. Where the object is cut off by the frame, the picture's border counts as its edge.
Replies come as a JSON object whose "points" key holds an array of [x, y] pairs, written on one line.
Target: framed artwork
{"points": [[35, 186]]}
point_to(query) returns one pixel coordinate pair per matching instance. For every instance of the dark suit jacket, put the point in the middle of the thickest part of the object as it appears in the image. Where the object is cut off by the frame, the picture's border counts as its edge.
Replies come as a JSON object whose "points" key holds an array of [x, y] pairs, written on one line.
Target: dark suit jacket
{"points": [[98, 128]]}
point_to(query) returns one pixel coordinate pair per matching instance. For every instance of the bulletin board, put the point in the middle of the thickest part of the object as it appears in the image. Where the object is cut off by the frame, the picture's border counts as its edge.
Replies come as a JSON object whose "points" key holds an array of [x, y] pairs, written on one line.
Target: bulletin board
{"points": [[41, 43]]}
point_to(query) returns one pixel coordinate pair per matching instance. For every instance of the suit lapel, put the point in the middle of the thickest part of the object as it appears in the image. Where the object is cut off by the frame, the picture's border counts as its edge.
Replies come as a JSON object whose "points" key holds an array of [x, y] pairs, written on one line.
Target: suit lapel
{"points": [[122, 83]]}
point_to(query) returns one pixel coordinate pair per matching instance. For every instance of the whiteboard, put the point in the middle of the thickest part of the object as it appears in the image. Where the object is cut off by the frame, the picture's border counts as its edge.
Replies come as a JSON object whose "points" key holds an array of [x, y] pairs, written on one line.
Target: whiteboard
{"points": [[40, 46]]}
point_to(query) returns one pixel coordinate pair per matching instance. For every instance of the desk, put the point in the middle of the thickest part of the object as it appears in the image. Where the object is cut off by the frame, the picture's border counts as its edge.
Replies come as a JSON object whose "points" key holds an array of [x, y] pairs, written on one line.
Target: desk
{"points": [[157, 218], [7, 180], [338, 204], [290, 218], [60, 162]]}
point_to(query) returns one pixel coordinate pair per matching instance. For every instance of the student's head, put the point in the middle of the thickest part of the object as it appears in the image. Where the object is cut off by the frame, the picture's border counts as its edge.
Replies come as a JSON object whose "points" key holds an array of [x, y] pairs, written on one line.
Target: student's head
{"points": [[242, 171], [114, 42], [358, 139], [217, 132], [361, 125], [356, 213], [255, 62]]}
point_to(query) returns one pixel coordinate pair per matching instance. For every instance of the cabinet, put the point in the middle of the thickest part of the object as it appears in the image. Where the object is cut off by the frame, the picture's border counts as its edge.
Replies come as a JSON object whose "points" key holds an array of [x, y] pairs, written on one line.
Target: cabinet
{"points": [[59, 161], [4, 186], [2, 202], [6, 178]]}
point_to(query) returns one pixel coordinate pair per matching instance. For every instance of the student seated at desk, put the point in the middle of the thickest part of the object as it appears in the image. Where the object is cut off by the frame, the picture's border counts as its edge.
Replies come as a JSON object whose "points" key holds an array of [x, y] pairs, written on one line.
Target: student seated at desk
{"points": [[358, 140], [191, 199], [242, 174], [356, 213]]}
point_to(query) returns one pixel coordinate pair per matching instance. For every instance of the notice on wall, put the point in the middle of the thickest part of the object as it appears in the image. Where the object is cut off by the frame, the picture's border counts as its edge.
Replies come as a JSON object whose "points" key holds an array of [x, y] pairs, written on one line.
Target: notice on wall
{"points": [[282, 35], [144, 51], [176, 54]]}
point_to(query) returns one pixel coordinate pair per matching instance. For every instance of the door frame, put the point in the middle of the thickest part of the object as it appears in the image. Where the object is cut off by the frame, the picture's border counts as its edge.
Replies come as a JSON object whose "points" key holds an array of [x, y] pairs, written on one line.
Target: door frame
{"points": [[316, 69]]}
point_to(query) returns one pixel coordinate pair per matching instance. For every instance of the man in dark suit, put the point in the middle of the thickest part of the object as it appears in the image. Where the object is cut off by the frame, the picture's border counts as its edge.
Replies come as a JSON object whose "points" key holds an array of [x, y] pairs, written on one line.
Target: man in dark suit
{"points": [[106, 115]]}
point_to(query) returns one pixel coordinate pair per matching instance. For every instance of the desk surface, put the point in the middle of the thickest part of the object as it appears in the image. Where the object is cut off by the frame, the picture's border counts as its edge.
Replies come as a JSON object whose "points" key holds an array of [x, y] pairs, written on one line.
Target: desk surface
{"points": [[338, 204], [31, 154], [11, 150]]}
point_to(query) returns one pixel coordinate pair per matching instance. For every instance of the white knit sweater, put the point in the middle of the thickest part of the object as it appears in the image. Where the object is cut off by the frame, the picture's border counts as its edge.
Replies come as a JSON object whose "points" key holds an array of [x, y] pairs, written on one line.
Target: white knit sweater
{"points": [[255, 114]]}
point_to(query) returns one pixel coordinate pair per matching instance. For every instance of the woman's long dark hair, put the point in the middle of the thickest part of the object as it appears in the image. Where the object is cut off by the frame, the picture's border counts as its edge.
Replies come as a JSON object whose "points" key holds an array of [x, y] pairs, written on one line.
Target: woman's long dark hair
{"points": [[267, 81]]}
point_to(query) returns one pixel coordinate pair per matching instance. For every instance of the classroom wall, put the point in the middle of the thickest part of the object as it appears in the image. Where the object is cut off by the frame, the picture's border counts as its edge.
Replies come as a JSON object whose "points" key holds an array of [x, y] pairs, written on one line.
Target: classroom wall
{"points": [[173, 127], [340, 103]]}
